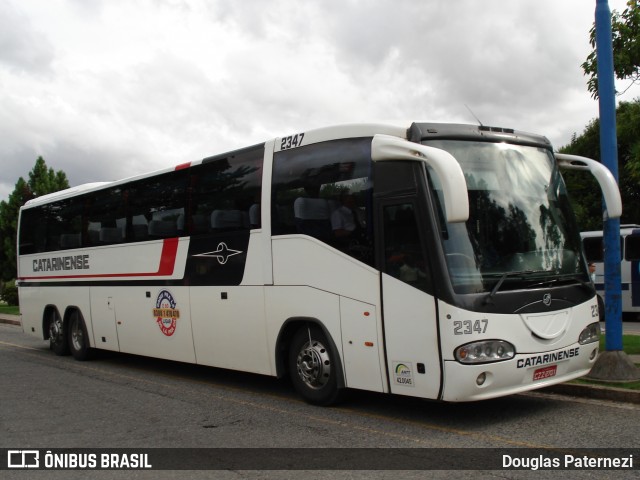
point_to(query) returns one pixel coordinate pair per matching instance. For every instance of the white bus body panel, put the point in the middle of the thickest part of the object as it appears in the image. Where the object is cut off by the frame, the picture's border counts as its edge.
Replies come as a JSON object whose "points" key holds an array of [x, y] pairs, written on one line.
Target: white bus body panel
{"points": [[411, 336], [103, 321], [34, 300], [503, 378], [139, 330], [290, 302], [516, 375], [229, 330], [303, 260], [158, 259], [361, 345], [352, 319]]}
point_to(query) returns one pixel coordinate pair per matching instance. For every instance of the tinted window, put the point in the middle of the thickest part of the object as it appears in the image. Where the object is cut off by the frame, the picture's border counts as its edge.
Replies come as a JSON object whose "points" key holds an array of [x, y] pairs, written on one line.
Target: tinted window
{"points": [[593, 248], [226, 193], [33, 231], [403, 254], [106, 218], [221, 194], [632, 248], [64, 225], [325, 190], [156, 206]]}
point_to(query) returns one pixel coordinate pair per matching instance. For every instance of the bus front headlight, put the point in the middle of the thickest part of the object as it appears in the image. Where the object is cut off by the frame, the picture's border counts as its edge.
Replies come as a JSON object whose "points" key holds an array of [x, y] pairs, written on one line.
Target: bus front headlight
{"points": [[590, 334], [484, 351]]}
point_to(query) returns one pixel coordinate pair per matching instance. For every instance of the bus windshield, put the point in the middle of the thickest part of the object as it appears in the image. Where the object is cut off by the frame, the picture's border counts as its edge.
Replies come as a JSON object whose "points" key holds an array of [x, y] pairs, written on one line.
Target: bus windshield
{"points": [[521, 232]]}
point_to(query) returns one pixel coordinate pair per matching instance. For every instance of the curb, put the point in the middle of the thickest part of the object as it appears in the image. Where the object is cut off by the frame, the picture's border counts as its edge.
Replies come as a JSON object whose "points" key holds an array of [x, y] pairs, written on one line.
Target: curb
{"points": [[10, 319], [595, 392]]}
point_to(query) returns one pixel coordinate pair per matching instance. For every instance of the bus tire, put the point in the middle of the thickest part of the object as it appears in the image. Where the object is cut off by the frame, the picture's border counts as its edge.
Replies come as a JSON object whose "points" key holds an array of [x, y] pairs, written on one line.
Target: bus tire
{"points": [[57, 334], [313, 367], [78, 337]]}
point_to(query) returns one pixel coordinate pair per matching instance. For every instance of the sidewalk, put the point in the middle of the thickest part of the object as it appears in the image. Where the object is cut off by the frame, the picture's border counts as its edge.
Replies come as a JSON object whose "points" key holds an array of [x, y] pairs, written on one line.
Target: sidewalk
{"points": [[571, 389]]}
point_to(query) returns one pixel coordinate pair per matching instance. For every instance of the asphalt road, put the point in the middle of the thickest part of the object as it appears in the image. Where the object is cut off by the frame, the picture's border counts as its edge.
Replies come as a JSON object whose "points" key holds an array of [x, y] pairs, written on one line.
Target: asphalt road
{"points": [[124, 401]]}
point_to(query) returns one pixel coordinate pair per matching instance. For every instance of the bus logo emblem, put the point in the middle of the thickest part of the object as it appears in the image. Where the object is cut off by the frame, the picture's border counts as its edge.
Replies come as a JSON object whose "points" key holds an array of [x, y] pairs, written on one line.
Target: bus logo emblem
{"points": [[222, 253], [546, 299], [166, 313]]}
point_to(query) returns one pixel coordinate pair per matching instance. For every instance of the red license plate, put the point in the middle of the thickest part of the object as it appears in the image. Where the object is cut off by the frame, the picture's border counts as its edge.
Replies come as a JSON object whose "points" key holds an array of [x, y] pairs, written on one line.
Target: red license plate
{"points": [[545, 372]]}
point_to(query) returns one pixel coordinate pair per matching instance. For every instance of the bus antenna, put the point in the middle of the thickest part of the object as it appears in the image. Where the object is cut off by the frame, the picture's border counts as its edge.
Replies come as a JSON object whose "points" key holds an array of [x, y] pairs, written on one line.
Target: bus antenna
{"points": [[474, 115]]}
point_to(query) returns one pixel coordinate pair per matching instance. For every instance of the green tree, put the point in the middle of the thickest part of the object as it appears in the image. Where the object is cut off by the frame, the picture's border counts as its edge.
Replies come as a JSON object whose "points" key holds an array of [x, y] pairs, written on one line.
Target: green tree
{"points": [[625, 30], [584, 190], [42, 180]]}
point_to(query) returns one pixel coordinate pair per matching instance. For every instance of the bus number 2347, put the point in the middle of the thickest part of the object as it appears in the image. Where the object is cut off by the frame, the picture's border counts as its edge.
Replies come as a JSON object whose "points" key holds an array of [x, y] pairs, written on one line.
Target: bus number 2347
{"points": [[291, 141], [467, 327]]}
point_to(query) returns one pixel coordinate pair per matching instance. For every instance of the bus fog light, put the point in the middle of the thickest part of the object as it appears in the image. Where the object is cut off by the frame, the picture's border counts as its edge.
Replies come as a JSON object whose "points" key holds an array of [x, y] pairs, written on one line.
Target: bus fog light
{"points": [[484, 351], [590, 334], [481, 379], [593, 354]]}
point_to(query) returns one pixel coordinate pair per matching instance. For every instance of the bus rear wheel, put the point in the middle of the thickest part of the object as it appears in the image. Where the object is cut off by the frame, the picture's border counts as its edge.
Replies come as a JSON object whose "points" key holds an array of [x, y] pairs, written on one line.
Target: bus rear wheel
{"points": [[313, 367], [78, 338], [57, 337]]}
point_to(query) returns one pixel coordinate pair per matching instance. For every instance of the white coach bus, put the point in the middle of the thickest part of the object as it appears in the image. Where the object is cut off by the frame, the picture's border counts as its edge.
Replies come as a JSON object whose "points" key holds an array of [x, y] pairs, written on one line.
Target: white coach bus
{"points": [[438, 261], [629, 264]]}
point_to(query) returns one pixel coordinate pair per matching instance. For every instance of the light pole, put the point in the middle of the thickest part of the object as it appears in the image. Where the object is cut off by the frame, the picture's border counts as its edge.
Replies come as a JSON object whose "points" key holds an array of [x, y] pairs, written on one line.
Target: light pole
{"points": [[613, 364]]}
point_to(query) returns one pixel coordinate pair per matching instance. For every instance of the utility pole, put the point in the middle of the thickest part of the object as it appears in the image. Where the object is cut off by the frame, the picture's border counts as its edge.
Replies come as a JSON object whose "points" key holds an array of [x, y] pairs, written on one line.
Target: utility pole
{"points": [[613, 364]]}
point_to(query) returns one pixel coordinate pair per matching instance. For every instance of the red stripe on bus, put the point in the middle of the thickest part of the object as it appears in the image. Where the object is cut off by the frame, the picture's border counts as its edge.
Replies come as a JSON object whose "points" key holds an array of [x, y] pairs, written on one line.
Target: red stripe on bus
{"points": [[165, 267], [182, 166], [168, 257]]}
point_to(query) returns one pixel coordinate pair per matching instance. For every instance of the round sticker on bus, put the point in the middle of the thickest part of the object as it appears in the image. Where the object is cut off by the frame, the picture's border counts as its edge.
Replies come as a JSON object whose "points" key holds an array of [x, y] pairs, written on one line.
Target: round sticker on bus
{"points": [[166, 313]]}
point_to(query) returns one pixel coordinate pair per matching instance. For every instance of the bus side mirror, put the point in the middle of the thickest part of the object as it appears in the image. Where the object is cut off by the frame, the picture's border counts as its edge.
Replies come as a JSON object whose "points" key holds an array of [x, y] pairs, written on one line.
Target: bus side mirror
{"points": [[608, 184], [456, 203]]}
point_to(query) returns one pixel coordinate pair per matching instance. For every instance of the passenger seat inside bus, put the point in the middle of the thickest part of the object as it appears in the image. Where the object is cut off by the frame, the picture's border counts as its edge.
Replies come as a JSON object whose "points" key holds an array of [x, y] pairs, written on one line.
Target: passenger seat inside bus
{"points": [[312, 217], [163, 228], [111, 235], [225, 220]]}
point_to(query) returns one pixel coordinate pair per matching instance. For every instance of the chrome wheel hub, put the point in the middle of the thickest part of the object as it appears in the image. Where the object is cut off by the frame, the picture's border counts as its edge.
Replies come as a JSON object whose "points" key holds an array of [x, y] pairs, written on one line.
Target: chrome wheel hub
{"points": [[314, 364]]}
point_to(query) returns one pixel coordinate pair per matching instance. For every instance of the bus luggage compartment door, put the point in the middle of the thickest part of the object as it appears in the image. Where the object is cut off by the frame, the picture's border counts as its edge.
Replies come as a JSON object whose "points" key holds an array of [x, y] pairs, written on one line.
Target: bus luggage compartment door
{"points": [[103, 321]]}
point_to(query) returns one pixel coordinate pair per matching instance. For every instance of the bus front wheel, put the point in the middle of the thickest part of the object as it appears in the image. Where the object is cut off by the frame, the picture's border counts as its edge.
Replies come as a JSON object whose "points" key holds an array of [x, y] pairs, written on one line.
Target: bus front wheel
{"points": [[313, 366]]}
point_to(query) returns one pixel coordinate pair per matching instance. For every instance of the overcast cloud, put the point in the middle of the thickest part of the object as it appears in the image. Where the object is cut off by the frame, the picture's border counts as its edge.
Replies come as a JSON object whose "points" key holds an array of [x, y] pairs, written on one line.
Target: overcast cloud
{"points": [[110, 89]]}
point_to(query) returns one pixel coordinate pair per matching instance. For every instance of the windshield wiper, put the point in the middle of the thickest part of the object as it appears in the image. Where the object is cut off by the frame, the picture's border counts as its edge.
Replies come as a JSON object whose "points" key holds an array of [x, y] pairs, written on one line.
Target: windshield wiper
{"points": [[522, 273], [565, 276]]}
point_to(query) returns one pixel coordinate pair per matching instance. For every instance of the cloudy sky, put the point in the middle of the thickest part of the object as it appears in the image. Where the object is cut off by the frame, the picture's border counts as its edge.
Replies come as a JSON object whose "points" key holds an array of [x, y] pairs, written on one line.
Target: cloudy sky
{"points": [[110, 89]]}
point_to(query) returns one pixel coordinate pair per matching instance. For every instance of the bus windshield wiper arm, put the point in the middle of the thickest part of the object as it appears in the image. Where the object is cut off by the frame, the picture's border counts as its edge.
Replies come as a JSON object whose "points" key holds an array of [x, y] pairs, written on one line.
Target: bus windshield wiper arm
{"points": [[506, 275]]}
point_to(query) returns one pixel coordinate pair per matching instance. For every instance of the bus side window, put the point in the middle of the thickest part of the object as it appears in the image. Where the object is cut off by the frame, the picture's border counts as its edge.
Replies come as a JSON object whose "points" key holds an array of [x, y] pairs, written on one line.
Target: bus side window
{"points": [[225, 193], [593, 249], [33, 231], [632, 248], [325, 190], [155, 206], [106, 218]]}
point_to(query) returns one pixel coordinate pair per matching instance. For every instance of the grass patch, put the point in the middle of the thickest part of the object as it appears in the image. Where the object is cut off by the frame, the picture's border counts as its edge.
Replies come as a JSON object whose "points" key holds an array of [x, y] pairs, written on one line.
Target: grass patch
{"points": [[630, 344], [9, 310]]}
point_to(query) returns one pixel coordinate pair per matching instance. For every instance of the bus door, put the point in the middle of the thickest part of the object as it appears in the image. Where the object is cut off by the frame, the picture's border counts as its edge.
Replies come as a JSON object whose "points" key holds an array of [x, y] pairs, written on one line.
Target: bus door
{"points": [[632, 257], [409, 311]]}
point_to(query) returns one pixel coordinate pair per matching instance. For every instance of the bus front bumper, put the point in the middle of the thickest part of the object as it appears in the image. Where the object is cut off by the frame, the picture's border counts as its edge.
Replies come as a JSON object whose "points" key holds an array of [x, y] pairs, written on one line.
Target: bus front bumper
{"points": [[527, 371]]}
